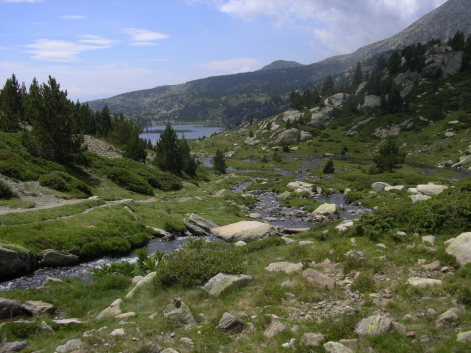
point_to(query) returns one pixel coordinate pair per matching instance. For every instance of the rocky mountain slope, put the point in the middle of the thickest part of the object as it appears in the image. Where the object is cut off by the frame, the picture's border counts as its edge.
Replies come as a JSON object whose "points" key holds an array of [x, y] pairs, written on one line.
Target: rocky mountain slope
{"points": [[230, 99]]}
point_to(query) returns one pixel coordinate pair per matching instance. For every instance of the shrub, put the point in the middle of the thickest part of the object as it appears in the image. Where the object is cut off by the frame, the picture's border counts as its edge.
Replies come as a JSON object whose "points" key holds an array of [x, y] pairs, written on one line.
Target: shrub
{"points": [[5, 191], [129, 180], [16, 167], [54, 180]]}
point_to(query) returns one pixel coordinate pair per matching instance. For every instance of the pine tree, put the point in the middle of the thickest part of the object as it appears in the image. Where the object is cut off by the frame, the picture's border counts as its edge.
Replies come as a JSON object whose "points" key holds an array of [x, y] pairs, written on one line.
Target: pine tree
{"points": [[357, 76], [328, 86], [329, 167], [135, 148], [11, 105], [219, 162], [166, 148], [389, 158], [187, 162]]}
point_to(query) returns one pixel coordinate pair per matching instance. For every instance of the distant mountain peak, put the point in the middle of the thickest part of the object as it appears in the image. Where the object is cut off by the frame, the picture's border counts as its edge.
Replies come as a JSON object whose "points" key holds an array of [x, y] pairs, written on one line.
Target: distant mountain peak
{"points": [[281, 64]]}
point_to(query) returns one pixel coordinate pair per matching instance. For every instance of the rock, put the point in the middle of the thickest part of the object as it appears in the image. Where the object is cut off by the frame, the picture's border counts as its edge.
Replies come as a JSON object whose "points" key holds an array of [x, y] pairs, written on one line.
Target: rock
{"points": [[289, 344], [311, 339], [336, 100], [419, 197], [433, 266], [292, 115], [431, 189], [15, 261], [56, 258], [125, 315], [187, 341], [289, 137], [423, 282], [321, 116], [300, 186], [245, 230], [344, 225], [371, 101], [230, 323], [34, 307], [118, 332], [460, 248], [305, 242], [395, 187], [10, 308], [373, 325], [52, 280], [379, 186], [428, 239], [67, 322], [10, 347], [463, 160], [240, 243], [349, 342], [255, 215], [44, 327], [111, 311], [136, 280], [336, 347], [318, 279], [449, 317], [178, 311], [71, 345], [198, 225], [169, 350], [221, 282], [464, 337], [286, 267], [275, 328], [142, 282], [326, 209]]}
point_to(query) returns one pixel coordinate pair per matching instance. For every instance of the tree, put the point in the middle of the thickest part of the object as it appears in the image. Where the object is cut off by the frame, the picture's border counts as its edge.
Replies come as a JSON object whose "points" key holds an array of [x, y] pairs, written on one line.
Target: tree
{"points": [[11, 105], [219, 162], [389, 158], [329, 167], [394, 64], [187, 162], [328, 86], [357, 75], [135, 148]]}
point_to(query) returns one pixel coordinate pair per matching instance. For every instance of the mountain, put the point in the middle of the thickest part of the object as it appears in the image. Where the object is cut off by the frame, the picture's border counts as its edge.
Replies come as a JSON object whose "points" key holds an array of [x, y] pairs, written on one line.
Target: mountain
{"points": [[230, 99]]}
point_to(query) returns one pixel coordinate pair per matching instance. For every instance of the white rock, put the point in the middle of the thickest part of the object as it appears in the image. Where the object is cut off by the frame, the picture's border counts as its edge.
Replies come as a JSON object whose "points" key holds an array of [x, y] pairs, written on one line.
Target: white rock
{"points": [[423, 282]]}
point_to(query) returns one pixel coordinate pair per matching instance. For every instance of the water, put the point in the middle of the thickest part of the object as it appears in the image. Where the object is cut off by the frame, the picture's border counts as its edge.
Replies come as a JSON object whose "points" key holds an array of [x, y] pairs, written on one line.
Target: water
{"points": [[189, 131]]}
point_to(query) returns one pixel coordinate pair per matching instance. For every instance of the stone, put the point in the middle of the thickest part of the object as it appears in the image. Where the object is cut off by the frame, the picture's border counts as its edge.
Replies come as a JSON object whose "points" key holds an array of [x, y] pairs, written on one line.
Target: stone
{"points": [[44, 327], [460, 248], [463, 160], [187, 341], [255, 215], [318, 279], [136, 280], [118, 332], [147, 279], [349, 342], [111, 311], [198, 225], [169, 350], [379, 186], [10, 347], [289, 137], [449, 317], [15, 261], [311, 339], [373, 325], [125, 315], [395, 187], [429, 240], [245, 230], [300, 186], [286, 267], [230, 323], [326, 209], [56, 258], [423, 282], [67, 322], [464, 337], [344, 225], [433, 266], [305, 242], [71, 345], [372, 101], [275, 328], [219, 283], [240, 243], [178, 311], [34, 307], [419, 197], [321, 116], [431, 189], [336, 347], [10, 308]]}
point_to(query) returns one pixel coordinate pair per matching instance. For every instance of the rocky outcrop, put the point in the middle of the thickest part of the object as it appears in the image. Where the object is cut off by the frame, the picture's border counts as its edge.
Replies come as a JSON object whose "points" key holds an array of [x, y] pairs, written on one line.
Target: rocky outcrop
{"points": [[142, 282], [221, 282], [245, 230], [34, 307], [371, 101], [300, 186], [15, 261], [292, 116], [289, 136], [321, 116], [111, 311], [460, 248], [56, 258], [443, 61], [10, 308], [337, 100], [197, 225]]}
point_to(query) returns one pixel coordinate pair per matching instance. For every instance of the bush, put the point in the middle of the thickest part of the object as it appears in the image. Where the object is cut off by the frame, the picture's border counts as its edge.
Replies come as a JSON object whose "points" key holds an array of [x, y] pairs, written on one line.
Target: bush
{"points": [[129, 180], [16, 167], [5, 191], [64, 182]]}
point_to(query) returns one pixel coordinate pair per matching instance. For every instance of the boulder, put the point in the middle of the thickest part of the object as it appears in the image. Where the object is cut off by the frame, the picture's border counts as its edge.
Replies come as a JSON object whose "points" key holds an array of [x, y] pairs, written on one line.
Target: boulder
{"points": [[70, 346], [419, 197], [373, 325], [311, 339], [371, 101], [275, 328], [336, 347], [198, 225], [142, 282], [431, 189], [289, 137], [56, 258], [464, 337], [230, 323], [304, 136], [463, 160], [321, 116], [379, 186], [178, 311], [286, 267], [423, 282], [292, 115], [460, 248], [318, 279], [449, 317], [10, 347], [169, 350], [300, 186], [15, 261], [221, 282], [34, 307], [327, 209], [10, 308], [336, 100], [245, 230], [111, 311]]}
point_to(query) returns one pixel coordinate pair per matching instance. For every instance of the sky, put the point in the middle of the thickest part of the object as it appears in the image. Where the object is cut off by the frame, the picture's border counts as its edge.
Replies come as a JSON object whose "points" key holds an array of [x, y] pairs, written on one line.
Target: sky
{"points": [[100, 48]]}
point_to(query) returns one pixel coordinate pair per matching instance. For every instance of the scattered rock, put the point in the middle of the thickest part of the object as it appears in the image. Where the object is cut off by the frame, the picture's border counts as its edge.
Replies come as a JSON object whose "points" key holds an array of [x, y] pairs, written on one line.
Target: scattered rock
{"points": [[428, 239], [15, 261], [142, 282], [327, 209], [433, 266], [311, 339], [240, 243], [373, 325], [118, 332], [67, 322], [344, 225], [111, 311], [10, 308], [245, 230], [379, 186], [286, 267], [33, 307], [275, 328], [318, 279], [464, 337], [71, 345], [56, 258], [221, 282], [423, 282], [230, 323], [460, 248], [419, 197], [198, 225], [431, 189], [6, 347], [44, 327], [300, 186], [177, 310], [336, 347], [449, 317]]}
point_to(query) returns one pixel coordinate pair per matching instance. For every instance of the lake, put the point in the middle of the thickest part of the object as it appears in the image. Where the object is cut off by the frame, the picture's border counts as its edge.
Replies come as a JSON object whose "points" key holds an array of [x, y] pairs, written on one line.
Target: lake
{"points": [[189, 131]]}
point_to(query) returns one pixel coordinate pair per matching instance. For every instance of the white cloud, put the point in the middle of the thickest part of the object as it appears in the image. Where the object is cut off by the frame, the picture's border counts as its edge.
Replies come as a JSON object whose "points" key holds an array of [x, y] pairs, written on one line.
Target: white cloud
{"points": [[73, 17], [142, 37], [65, 51], [235, 65]]}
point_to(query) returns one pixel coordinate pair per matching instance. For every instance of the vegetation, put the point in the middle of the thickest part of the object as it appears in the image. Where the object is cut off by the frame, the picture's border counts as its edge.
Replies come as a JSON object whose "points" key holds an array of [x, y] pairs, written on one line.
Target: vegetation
{"points": [[389, 158], [219, 162]]}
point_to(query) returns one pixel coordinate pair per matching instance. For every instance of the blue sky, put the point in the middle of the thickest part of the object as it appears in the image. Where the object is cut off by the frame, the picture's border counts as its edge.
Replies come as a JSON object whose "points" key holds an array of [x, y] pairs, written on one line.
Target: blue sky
{"points": [[100, 48]]}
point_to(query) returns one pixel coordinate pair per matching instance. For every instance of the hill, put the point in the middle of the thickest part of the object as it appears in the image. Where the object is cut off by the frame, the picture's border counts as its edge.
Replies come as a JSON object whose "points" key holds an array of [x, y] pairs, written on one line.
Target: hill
{"points": [[231, 99]]}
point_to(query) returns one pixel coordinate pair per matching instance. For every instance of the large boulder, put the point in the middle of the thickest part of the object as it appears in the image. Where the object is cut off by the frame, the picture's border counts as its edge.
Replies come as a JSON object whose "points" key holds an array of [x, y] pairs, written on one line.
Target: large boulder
{"points": [[10, 308], [431, 189], [321, 117], [245, 230], [10, 347], [327, 209], [111, 311], [198, 225], [289, 136], [336, 347], [292, 115], [142, 282], [56, 258], [460, 248], [372, 101], [221, 282], [15, 261], [178, 311], [374, 325], [337, 100], [442, 60]]}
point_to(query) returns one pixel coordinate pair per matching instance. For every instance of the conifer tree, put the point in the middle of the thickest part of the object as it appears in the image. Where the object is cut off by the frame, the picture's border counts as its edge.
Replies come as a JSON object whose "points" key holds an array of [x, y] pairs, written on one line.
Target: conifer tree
{"points": [[329, 167], [135, 148], [219, 162], [389, 158]]}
